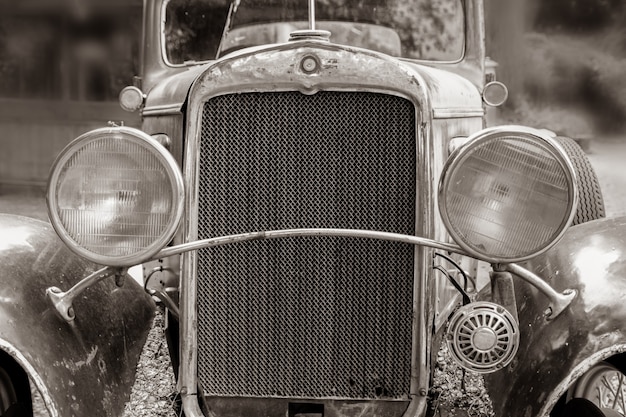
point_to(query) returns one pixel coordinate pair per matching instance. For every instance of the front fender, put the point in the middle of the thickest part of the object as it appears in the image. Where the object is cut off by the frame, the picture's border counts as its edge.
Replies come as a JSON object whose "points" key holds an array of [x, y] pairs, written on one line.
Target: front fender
{"points": [[590, 259], [82, 368]]}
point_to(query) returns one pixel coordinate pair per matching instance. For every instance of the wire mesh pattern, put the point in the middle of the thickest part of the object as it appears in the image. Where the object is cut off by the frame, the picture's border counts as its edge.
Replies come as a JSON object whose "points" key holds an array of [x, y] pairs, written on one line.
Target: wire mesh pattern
{"points": [[307, 317]]}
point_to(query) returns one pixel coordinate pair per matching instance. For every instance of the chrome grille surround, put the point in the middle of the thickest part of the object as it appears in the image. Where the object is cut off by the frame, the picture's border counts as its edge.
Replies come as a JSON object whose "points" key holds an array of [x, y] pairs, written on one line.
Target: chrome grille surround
{"points": [[311, 317]]}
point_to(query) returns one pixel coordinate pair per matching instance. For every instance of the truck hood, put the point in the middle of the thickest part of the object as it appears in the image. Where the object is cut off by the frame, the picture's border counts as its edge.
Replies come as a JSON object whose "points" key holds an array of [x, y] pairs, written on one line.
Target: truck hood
{"points": [[451, 95], [170, 94]]}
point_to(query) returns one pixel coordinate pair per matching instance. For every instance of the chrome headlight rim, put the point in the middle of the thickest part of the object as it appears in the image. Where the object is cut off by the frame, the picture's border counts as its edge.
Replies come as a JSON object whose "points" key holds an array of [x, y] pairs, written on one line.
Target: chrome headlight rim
{"points": [[171, 168], [462, 153]]}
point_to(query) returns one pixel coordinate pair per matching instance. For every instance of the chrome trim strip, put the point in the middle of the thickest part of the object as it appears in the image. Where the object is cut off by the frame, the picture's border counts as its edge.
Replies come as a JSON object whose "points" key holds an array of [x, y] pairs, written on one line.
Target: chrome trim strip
{"points": [[452, 113], [164, 109]]}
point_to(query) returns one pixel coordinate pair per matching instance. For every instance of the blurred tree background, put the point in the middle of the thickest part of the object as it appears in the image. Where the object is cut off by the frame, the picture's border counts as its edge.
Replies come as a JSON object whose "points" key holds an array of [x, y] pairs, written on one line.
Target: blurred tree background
{"points": [[62, 66], [84, 50], [564, 62]]}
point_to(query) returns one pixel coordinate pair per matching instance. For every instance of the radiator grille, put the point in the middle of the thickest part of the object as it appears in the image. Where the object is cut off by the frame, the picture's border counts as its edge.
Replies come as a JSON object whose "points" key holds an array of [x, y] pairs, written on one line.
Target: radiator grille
{"points": [[306, 317]]}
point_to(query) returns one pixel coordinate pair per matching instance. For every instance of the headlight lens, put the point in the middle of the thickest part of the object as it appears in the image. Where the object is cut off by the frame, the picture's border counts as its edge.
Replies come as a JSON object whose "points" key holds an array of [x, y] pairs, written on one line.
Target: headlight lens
{"points": [[508, 194], [115, 196], [131, 99]]}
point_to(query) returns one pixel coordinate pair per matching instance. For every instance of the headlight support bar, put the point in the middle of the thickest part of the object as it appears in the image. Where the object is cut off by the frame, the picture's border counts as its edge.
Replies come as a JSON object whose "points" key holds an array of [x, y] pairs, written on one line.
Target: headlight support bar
{"points": [[63, 301], [558, 301]]}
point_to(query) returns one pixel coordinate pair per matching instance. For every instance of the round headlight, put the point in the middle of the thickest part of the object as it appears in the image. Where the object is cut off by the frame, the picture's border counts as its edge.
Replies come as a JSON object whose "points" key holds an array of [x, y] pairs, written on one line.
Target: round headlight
{"points": [[115, 196], [508, 194], [495, 94], [131, 99]]}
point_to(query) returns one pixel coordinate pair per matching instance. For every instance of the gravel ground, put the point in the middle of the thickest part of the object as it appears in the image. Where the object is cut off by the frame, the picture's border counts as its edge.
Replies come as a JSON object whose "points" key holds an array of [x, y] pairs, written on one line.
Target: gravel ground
{"points": [[455, 392], [153, 393]]}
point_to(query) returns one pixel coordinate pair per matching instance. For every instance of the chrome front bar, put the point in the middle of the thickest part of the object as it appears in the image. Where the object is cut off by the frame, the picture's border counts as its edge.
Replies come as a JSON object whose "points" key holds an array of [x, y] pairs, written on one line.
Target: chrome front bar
{"points": [[62, 301]]}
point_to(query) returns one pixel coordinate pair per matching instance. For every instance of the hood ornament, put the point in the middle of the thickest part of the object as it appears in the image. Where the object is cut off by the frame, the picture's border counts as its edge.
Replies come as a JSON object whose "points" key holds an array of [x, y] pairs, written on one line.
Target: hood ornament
{"points": [[311, 33]]}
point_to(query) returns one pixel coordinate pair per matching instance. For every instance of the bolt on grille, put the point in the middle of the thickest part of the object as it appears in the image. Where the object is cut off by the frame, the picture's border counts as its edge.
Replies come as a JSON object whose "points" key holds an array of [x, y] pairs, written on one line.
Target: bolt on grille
{"points": [[318, 316]]}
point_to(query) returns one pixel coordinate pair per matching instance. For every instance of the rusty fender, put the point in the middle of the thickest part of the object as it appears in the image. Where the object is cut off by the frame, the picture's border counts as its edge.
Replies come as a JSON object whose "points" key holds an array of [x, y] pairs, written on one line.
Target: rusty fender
{"points": [[82, 368], [590, 259]]}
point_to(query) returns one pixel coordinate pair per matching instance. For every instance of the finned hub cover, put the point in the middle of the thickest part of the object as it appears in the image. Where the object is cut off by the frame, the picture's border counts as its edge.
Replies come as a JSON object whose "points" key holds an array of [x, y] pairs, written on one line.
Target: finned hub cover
{"points": [[483, 337]]}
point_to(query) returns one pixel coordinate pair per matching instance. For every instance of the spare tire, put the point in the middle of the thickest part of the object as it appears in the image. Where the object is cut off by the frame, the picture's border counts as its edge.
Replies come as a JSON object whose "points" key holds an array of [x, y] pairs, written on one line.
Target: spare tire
{"points": [[590, 200]]}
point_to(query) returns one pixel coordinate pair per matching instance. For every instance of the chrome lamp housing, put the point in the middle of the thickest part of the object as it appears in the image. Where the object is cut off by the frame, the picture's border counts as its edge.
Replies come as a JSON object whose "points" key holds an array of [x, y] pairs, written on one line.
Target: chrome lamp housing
{"points": [[115, 196], [507, 194]]}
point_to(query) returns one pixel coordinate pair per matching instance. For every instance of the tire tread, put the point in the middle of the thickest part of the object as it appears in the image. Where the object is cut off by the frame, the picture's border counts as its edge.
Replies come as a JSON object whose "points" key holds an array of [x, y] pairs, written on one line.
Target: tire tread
{"points": [[590, 200]]}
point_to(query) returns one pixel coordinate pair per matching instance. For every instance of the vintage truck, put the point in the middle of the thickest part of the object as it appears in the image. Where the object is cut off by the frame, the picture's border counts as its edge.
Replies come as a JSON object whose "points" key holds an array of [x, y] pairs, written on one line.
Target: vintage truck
{"points": [[318, 203]]}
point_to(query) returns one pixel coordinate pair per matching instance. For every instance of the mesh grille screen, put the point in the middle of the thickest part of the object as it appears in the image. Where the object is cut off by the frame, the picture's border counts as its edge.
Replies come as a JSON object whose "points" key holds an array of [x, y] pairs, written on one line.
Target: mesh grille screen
{"points": [[306, 317]]}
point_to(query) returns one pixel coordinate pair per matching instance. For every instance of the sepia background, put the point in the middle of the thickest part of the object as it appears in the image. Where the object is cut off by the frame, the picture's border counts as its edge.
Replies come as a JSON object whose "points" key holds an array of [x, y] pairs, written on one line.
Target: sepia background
{"points": [[63, 63]]}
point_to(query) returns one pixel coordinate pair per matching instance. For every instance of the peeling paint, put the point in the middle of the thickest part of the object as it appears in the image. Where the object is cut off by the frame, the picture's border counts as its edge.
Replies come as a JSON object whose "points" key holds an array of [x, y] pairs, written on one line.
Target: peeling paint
{"points": [[75, 366], [89, 359]]}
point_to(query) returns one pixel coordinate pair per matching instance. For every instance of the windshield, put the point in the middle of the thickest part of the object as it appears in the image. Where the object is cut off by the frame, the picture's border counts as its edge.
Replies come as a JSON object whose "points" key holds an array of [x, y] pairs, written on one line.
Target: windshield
{"points": [[201, 30]]}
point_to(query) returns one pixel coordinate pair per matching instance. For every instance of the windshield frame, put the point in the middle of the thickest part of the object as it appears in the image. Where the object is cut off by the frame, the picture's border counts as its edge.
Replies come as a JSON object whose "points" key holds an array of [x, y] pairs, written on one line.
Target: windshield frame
{"points": [[468, 20]]}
